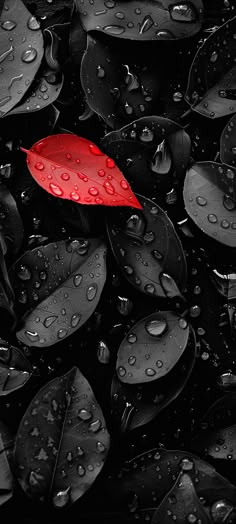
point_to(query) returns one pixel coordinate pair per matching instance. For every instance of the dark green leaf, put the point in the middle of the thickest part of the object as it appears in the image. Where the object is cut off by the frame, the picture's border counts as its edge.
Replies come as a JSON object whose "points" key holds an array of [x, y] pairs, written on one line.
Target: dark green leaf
{"points": [[228, 143], [161, 338], [6, 478], [142, 20], [211, 87], [21, 52], [58, 287], [145, 245], [15, 370], [134, 405], [62, 441], [10, 220], [207, 203]]}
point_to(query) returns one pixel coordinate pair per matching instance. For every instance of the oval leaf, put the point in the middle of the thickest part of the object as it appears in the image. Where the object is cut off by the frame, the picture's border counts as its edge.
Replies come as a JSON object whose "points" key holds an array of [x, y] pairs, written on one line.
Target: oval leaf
{"points": [[114, 87], [163, 337], [58, 287], [228, 143], [10, 221], [211, 83], [71, 167], [151, 145], [145, 245], [15, 370], [20, 57], [183, 503], [206, 203], [139, 20], [62, 441], [220, 444], [134, 405]]}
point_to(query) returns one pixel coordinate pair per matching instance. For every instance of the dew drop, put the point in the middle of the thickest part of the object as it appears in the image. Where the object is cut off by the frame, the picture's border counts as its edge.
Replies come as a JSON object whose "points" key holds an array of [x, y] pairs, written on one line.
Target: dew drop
{"points": [[132, 360], [114, 29], [80, 451], [103, 352], [177, 96], [124, 184], [183, 13], [149, 237], [81, 470], [220, 511], [8, 25], [109, 187], [49, 321], [24, 273], [100, 72], [110, 163], [29, 55], [121, 371], [75, 319], [214, 57], [101, 172], [95, 426], [91, 292], [157, 327], [228, 203], [150, 288], [40, 166], [129, 270], [186, 464], [201, 201], [146, 135], [74, 196], [95, 150], [212, 218], [84, 414], [195, 311], [183, 323], [56, 190], [61, 498], [62, 333], [100, 447], [150, 372], [77, 280], [33, 24], [93, 191], [159, 364], [131, 338], [32, 336], [65, 176], [225, 224]]}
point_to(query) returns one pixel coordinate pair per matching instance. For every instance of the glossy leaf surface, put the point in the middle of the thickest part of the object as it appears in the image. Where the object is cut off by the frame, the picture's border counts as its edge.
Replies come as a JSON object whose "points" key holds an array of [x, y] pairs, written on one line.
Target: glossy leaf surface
{"points": [[71, 167], [207, 203], [228, 143], [58, 287], [145, 246], [10, 220], [15, 369], [142, 20], [152, 348], [20, 57], [62, 441], [6, 477]]}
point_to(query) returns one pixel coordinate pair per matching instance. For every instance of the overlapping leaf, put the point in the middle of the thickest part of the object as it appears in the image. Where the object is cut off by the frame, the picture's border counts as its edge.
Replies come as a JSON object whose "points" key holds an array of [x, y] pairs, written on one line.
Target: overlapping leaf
{"points": [[6, 477], [71, 167], [152, 145], [145, 246], [57, 288], [142, 20], [116, 89], [62, 441], [15, 370], [152, 347], [228, 143], [21, 52], [134, 405], [207, 191], [10, 220], [212, 78]]}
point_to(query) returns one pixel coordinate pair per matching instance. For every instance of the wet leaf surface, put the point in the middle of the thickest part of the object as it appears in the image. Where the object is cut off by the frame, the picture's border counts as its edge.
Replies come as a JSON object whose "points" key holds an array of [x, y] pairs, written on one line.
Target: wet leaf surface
{"points": [[62, 441], [6, 477], [139, 20], [145, 246], [115, 88], [20, 56], [15, 369], [134, 405], [152, 348], [71, 167], [211, 83], [228, 143], [58, 287], [10, 220], [207, 204]]}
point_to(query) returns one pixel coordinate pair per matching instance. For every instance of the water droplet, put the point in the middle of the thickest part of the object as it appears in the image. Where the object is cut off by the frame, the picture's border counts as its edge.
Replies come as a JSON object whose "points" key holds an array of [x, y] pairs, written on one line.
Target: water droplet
{"points": [[150, 288], [43, 275], [95, 426], [228, 203], [214, 57], [91, 292], [135, 226], [103, 352], [121, 371], [56, 190], [32, 336], [183, 13], [40, 166], [124, 184], [165, 35], [201, 201], [150, 372], [149, 237], [77, 280], [75, 319], [100, 72], [101, 172], [225, 224], [33, 24], [131, 338], [24, 273], [186, 464], [195, 311], [35, 479], [220, 511], [183, 323], [93, 191], [84, 414], [157, 255], [212, 219], [49, 321], [29, 55], [109, 187], [159, 364], [61, 498], [110, 163], [81, 470], [95, 150], [100, 447], [114, 29], [80, 451], [177, 96], [132, 360], [146, 135], [74, 196], [156, 327], [8, 25], [129, 270], [62, 333], [65, 176], [191, 518]]}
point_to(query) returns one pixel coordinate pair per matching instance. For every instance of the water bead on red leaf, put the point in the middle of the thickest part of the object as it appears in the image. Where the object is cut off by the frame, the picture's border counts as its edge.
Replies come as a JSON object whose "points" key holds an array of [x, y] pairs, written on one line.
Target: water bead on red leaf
{"points": [[77, 170]]}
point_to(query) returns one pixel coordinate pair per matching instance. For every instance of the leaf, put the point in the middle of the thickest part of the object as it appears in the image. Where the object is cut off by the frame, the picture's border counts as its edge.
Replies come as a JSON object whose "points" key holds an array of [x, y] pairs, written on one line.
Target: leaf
{"points": [[145, 245], [228, 143], [115, 88], [220, 444], [183, 503], [15, 370], [163, 337], [44, 91], [58, 287], [8, 319], [62, 441], [21, 45], [144, 481], [6, 478], [141, 146], [10, 221], [207, 205], [211, 83], [221, 413], [71, 167], [142, 20], [57, 45], [225, 283], [134, 405]]}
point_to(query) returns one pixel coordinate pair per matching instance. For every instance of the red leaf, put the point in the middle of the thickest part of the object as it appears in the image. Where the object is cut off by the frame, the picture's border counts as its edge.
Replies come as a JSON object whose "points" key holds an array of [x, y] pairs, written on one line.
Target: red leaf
{"points": [[71, 167]]}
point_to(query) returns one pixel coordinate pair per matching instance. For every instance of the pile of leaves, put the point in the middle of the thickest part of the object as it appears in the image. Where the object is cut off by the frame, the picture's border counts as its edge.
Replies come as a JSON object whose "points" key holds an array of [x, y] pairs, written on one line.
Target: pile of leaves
{"points": [[118, 261]]}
